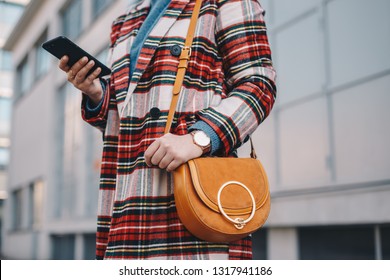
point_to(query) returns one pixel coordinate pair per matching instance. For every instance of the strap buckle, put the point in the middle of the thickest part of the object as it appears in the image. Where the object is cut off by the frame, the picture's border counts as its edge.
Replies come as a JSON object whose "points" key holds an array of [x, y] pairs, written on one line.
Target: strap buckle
{"points": [[186, 53], [184, 57]]}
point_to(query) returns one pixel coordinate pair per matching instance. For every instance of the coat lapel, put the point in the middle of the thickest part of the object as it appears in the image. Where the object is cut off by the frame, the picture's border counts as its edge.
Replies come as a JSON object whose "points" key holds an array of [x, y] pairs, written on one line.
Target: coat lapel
{"points": [[158, 32]]}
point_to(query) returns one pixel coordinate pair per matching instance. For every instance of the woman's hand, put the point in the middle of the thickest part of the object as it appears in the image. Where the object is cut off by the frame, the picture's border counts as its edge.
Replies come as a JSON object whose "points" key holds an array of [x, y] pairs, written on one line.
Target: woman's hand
{"points": [[170, 151], [77, 75]]}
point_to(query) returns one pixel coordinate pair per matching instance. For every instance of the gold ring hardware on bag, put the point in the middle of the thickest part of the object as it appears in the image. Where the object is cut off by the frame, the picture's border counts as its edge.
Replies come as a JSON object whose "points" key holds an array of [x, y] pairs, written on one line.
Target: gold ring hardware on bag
{"points": [[239, 223]]}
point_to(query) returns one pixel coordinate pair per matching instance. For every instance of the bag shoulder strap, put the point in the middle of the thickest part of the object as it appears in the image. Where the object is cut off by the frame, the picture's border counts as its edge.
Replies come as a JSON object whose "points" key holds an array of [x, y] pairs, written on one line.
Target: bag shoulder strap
{"points": [[183, 64]]}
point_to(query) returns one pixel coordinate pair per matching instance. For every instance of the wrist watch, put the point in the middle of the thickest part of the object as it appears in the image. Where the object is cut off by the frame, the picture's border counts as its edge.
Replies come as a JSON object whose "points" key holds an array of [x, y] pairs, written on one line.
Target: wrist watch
{"points": [[201, 139]]}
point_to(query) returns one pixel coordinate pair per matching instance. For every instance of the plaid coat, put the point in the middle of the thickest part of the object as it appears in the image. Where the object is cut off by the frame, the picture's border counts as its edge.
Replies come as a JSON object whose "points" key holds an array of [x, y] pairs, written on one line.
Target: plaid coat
{"points": [[229, 85]]}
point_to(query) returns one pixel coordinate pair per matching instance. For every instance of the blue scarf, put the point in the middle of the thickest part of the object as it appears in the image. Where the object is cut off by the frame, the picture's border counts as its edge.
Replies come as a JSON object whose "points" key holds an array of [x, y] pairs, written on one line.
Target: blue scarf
{"points": [[157, 9]]}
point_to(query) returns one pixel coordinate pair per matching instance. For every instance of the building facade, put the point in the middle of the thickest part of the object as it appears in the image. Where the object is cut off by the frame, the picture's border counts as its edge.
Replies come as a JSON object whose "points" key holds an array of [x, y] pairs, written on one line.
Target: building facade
{"points": [[10, 12], [55, 156], [324, 145]]}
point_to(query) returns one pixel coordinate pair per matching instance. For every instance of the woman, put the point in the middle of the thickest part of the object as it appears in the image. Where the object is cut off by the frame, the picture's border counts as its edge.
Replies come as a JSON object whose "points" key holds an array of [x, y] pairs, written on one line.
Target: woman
{"points": [[229, 89]]}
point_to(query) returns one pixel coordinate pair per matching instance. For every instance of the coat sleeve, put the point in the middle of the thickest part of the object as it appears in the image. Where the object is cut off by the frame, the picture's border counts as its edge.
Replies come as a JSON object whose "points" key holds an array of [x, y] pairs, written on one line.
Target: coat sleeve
{"points": [[99, 118], [250, 77]]}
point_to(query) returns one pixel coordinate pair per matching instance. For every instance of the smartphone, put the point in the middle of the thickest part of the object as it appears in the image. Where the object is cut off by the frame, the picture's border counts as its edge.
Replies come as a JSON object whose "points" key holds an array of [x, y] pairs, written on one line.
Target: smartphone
{"points": [[61, 46]]}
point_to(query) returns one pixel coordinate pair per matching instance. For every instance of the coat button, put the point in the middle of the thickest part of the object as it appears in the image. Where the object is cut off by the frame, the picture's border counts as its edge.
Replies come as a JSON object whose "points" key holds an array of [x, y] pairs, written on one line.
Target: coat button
{"points": [[189, 118], [155, 113], [176, 50]]}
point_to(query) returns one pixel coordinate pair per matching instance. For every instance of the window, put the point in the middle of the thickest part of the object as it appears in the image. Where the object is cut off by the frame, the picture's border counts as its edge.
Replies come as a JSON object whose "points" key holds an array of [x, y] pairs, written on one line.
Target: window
{"points": [[72, 19], [6, 84], [9, 15], [89, 246], [35, 203], [259, 240], [23, 78], [10, 12], [41, 57], [98, 6], [4, 158], [5, 117], [63, 247], [385, 242], [5, 61], [69, 149], [337, 243], [17, 202]]}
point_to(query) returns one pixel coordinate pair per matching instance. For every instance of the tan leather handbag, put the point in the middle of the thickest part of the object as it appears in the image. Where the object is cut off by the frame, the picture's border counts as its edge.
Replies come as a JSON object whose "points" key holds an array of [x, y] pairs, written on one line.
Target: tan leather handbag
{"points": [[217, 199], [221, 199]]}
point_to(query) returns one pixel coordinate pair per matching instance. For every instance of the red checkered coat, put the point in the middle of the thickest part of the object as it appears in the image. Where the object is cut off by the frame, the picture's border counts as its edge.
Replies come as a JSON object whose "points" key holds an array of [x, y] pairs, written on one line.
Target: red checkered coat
{"points": [[230, 85]]}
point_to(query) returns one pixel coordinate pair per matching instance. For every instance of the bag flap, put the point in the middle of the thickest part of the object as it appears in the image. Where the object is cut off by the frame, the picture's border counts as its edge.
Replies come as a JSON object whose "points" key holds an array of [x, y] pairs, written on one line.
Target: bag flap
{"points": [[210, 174]]}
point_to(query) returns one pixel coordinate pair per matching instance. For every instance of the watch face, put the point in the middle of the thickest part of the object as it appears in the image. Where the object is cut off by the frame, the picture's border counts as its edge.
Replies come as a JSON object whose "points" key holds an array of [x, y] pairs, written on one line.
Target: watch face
{"points": [[201, 138]]}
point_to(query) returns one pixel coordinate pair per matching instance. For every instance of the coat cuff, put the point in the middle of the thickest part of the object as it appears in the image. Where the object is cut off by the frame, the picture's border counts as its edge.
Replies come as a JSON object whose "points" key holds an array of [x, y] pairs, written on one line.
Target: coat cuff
{"points": [[92, 110], [96, 115]]}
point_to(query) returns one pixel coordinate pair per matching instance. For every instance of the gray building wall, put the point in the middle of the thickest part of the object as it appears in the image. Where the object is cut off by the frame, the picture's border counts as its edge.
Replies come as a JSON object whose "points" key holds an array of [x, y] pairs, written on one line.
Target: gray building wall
{"points": [[324, 145], [10, 12], [55, 157]]}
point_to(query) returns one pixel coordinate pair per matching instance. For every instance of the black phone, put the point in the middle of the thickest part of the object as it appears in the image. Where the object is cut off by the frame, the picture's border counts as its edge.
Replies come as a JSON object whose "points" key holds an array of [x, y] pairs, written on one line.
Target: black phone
{"points": [[61, 46]]}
